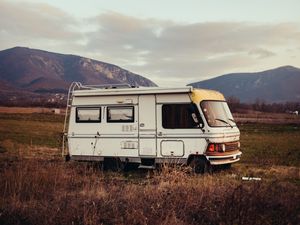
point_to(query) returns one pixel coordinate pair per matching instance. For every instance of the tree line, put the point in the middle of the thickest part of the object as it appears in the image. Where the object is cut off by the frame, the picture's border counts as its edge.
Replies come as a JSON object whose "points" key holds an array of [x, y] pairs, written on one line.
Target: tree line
{"points": [[234, 103], [261, 105]]}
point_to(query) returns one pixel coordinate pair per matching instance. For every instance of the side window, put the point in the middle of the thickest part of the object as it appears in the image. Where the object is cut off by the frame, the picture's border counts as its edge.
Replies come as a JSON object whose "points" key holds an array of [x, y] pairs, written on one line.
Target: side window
{"points": [[88, 115], [180, 116], [120, 114]]}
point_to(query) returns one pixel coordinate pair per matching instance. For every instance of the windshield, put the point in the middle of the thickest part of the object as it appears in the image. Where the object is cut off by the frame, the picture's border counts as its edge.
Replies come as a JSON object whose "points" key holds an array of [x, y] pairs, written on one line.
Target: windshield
{"points": [[217, 114]]}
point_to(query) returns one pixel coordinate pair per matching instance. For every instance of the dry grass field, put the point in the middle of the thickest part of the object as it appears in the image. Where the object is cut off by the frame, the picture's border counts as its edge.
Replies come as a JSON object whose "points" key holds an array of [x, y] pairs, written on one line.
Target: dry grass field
{"points": [[25, 110], [267, 118], [38, 187]]}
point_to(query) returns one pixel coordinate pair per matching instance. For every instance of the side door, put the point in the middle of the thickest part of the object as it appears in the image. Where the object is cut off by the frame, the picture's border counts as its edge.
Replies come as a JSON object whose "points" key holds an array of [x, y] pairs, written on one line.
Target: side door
{"points": [[147, 125], [178, 133]]}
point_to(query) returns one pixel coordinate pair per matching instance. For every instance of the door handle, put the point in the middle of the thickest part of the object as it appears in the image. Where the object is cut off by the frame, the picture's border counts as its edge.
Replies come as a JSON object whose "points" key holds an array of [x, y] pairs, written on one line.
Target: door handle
{"points": [[159, 134]]}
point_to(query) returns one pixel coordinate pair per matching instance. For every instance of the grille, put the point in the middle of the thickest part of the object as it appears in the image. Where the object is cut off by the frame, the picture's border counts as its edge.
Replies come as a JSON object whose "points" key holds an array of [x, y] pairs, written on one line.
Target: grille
{"points": [[231, 146]]}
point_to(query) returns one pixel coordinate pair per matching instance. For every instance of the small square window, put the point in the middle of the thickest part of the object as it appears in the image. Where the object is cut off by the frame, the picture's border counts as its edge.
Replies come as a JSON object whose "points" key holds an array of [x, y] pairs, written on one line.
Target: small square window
{"points": [[120, 114], [88, 115]]}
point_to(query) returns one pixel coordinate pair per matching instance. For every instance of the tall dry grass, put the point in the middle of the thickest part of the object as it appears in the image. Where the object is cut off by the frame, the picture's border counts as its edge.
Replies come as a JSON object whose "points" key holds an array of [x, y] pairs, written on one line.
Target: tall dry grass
{"points": [[37, 188], [42, 192]]}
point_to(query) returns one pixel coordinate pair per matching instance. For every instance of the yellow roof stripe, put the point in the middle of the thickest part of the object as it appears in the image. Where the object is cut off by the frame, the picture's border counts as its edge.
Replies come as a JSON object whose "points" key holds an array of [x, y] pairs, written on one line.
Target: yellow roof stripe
{"points": [[199, 95]]}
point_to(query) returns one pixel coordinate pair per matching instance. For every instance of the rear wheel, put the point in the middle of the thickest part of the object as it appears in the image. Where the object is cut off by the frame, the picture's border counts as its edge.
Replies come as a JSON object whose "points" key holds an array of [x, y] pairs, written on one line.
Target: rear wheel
{"points": [[113, 164], [67, 158], [200, 165]]}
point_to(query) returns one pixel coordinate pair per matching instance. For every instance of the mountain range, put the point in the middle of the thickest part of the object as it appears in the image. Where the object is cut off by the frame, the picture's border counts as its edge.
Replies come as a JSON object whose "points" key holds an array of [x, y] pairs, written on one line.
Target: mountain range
{"points": [[276, 85], [31, 76], [41, 71]]}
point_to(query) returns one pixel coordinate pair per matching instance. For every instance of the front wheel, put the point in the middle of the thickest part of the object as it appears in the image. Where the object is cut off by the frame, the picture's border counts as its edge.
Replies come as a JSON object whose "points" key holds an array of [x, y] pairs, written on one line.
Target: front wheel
{"points": [[200, 165], [226, 166]]}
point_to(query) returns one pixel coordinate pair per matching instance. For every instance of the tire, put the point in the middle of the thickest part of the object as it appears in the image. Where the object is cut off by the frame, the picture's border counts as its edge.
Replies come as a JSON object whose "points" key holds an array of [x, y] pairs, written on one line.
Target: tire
{"points": [[67, 158], [200, 165], [226, 166], [113, 164]]}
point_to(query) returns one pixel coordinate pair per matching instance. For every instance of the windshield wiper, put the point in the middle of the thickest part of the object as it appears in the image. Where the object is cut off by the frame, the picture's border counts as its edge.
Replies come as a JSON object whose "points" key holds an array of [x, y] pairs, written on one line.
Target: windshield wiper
{"points": [[224, 121]]}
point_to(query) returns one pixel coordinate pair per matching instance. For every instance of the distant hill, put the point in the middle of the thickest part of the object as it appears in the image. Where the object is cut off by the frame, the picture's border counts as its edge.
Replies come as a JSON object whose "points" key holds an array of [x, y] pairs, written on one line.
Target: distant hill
{"points": [[277, 85], [31, 70], [31, 77]]}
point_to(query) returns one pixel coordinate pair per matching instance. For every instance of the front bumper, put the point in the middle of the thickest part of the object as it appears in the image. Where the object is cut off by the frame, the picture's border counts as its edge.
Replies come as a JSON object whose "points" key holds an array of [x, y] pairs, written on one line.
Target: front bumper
{"points": [[224, 158]]}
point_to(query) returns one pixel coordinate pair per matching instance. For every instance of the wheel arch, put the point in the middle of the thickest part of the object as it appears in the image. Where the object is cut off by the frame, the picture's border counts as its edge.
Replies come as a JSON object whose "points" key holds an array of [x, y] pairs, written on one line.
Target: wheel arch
{"points": [[193, 156]]}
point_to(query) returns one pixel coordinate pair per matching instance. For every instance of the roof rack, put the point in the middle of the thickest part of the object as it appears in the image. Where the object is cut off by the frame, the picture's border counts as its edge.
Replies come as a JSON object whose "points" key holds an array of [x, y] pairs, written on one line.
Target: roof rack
{"points": [[80, 86]]}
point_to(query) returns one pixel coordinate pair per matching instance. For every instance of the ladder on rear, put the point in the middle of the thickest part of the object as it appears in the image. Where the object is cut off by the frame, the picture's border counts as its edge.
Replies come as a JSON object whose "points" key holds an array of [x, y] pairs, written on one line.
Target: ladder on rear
{"points": [[73, 86]]}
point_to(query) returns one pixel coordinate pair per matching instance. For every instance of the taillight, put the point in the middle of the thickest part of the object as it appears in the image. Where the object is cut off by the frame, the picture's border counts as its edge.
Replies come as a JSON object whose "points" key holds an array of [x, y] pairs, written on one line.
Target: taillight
{"points": [[211, 147], [214, 147]]}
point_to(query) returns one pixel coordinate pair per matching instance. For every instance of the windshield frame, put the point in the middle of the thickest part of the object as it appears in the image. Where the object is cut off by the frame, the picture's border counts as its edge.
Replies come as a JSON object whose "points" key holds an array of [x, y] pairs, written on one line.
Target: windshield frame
{"points": [[230, 122]]}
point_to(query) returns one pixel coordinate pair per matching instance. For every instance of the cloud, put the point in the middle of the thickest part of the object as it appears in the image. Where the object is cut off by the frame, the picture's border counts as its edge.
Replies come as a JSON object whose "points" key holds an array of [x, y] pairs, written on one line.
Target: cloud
{"points": [[123, 37], [23, 21], [165, 49], [261, 53]]}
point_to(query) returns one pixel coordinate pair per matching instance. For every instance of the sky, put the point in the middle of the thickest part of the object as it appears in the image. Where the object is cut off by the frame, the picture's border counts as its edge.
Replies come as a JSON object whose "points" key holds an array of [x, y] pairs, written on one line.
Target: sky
{"points": [[171, 42]]}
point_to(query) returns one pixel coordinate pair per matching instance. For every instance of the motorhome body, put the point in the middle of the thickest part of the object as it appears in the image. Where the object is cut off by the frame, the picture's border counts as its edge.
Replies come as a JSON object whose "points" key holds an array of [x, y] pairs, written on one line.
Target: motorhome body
{"points": [[149, 126]]}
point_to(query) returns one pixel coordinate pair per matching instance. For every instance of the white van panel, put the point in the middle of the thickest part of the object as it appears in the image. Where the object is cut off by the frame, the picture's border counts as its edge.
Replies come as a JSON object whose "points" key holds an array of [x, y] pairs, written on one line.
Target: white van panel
{"points": [[83, 146], [147, 125], [104, 100], [104, 146], [172, 148], [176, 98]]}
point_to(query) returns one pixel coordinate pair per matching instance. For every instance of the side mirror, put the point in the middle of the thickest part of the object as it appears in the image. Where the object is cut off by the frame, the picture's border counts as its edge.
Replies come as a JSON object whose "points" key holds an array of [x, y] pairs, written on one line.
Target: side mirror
{"points": [[195, 118]]}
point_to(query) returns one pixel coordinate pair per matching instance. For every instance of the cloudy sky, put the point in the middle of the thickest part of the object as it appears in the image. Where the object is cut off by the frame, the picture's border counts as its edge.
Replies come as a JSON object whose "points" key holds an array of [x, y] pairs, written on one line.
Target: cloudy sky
{"points": [[171, 42]]}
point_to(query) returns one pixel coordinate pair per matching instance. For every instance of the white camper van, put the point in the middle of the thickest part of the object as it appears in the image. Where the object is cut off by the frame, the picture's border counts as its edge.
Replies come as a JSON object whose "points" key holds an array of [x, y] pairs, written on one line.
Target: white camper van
{"points": [[149, 126]]}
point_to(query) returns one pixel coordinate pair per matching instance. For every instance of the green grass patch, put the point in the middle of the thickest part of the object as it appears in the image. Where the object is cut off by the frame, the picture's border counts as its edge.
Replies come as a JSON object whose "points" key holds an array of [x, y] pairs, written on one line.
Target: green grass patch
{"points": [[32, 129], [270, 144], [39, 117]]}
